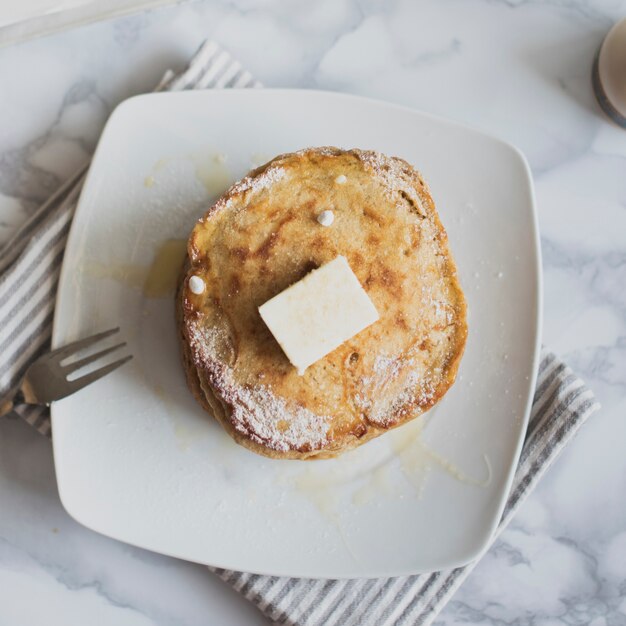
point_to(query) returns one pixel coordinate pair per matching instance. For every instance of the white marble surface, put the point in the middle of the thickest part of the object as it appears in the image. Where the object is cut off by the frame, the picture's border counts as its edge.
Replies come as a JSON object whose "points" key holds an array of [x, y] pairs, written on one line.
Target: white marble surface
{"points": [[519, 69]]}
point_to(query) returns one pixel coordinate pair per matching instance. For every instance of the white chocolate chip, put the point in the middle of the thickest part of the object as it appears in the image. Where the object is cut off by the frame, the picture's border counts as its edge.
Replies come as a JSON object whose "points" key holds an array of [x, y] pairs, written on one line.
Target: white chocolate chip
{"points": [[196, 284], [341, 179], [326, 218]]}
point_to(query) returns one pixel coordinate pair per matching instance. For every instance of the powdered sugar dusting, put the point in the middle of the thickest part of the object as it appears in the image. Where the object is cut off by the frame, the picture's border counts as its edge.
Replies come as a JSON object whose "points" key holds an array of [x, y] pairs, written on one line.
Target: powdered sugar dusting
{"points": [[418, 393], [417, 389], [209, 342], [256, 412], [444, 313], [276, 423], [255, 184], [386, 369], [393, 174], [249, 184]]}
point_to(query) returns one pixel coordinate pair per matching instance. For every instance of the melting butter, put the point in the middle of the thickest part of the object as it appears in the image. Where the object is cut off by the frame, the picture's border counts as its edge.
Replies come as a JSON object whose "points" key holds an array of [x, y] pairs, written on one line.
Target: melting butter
{"points": [[160, 164], [322, 491], [458, 474], [150, 180], [187, 432], [212, 173], [157, 280], [259, 158], [325, 490], [209, 169], [416, 458], [406, 436], [181, 433], [319, 490], [163, 273], [408, 447], [379, 482], [127, 274]]}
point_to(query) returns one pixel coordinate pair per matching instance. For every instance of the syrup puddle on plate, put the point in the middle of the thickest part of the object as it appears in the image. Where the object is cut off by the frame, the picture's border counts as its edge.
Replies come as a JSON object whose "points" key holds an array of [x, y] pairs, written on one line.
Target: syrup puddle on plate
{"points": [[186, 432], [210, 170], [259, 158], [127, 274], [351, 480], [380, 482], [165, 269], [416, 457], [325, 496], [157, 280], [212, 173]]}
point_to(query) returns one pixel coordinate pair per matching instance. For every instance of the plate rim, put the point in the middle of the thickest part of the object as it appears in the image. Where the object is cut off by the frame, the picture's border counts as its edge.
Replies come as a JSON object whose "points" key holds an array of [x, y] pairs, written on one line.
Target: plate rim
{"points": [[483, 541]]}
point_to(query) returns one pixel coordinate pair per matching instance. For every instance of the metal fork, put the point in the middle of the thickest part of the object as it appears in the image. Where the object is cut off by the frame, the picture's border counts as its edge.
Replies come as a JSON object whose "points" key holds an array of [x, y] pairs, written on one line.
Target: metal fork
{"points": [[46, 379]]}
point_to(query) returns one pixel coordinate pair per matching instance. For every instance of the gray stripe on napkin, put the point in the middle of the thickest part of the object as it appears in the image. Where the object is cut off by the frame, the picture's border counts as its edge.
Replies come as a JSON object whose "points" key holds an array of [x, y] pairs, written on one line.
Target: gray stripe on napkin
{"points": [[32, 259]]}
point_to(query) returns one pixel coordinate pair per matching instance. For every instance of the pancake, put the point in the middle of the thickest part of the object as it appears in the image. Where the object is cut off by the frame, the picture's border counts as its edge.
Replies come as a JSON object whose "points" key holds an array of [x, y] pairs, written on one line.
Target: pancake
{"points": [[260, 237]]}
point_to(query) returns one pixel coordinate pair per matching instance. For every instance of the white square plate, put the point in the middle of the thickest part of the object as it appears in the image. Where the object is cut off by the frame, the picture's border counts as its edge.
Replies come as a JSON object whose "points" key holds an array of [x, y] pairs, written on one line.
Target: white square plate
{"points": [[138, 460]]}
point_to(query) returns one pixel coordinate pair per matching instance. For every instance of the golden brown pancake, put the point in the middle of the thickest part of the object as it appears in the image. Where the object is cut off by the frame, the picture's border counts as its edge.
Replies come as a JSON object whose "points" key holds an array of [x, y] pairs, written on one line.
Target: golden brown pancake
{"points": [[260, 237]]}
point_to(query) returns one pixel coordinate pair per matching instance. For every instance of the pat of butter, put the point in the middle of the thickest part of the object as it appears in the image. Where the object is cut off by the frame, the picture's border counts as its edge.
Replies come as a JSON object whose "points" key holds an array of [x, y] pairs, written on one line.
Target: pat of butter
{"points": [[317, 314]]}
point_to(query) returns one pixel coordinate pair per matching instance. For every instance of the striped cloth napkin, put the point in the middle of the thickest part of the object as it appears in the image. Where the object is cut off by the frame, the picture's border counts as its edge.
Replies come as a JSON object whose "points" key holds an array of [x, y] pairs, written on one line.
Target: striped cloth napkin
{"points": [[29, 271]]}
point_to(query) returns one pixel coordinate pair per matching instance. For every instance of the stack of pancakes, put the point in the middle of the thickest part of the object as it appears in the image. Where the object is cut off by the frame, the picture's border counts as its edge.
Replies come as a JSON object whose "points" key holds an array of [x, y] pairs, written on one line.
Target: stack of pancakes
{"points": [[262, 236]]}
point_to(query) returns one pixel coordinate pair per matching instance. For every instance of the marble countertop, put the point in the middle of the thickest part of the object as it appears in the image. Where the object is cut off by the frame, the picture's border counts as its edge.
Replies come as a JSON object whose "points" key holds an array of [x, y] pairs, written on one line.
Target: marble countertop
{"points": [[519, 69]]}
